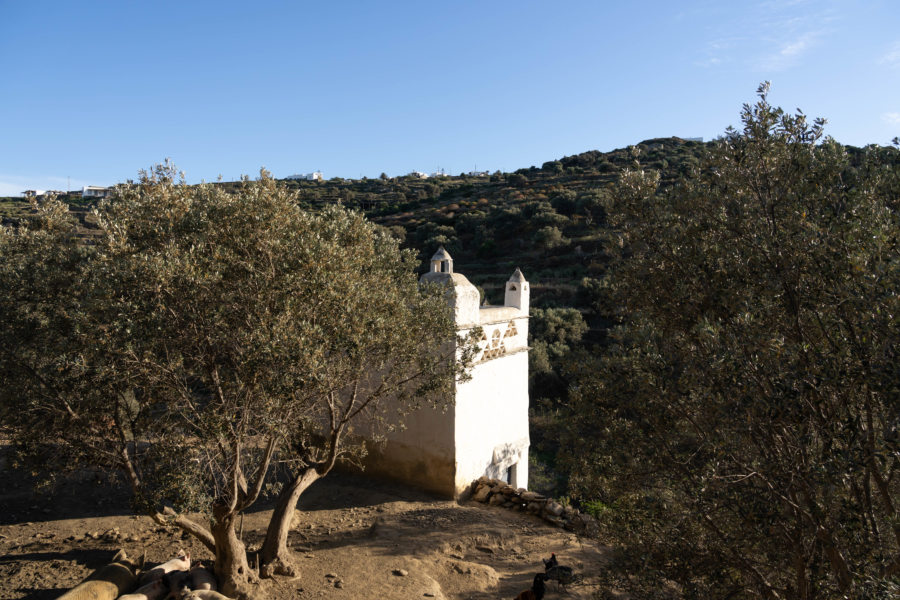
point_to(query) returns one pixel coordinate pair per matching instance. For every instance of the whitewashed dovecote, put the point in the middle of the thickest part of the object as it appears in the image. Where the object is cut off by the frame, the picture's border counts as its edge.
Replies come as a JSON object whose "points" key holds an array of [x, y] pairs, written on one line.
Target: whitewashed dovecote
{"points": [[484, 431]]}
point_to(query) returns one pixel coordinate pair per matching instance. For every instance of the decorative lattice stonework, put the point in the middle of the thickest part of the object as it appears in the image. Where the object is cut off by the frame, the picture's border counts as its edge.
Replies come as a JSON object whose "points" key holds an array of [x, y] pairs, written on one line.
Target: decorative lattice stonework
{"points": [[495, 348], [511, 330]]}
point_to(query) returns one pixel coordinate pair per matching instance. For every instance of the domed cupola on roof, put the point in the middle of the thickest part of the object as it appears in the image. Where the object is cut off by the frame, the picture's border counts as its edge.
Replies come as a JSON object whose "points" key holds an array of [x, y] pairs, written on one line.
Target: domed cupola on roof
{"points": [[441, 262], [465, 296]]}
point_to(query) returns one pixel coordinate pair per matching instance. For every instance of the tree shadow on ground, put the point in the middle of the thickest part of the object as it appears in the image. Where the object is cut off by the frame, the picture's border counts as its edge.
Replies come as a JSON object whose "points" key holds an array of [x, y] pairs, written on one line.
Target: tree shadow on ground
{"points": [[38, 594], [344, 490], [91, 493], [78, 496], [90, 558]]}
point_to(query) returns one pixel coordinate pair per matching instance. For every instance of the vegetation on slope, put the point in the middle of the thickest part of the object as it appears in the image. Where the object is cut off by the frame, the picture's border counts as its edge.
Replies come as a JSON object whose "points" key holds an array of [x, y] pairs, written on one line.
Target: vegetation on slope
{"points": [[739, 434], [714, 339], [205, 342]]}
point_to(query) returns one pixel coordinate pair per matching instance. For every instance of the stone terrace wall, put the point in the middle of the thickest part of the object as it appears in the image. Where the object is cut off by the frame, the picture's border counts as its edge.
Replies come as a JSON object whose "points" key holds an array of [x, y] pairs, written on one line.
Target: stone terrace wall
{"points": [[500, 493]]}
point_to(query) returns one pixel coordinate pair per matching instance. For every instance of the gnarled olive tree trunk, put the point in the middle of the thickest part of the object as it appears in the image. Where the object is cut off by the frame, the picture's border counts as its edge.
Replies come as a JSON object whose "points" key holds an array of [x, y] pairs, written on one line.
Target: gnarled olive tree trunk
{"points": [[231, 566], [275, 557]]}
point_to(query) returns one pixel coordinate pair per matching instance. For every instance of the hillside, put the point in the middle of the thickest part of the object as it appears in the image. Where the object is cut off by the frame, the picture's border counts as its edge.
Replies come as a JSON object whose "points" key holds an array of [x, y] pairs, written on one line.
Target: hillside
{"points": [[753, 361], [548, 220]]}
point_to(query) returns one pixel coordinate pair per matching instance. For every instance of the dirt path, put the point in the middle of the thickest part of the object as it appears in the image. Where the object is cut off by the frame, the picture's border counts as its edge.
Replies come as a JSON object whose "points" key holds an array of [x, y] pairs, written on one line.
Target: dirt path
{"points": [[354, 538]]}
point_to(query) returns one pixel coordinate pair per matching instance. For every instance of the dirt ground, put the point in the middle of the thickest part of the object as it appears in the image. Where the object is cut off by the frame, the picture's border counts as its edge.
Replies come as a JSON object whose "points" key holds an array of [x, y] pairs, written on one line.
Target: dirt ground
{"points": [[353, 538]]}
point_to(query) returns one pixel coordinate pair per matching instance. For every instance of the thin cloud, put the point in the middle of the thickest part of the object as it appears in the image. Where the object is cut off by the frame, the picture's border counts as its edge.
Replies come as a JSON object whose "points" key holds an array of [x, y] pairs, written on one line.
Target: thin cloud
{"points": [[770, 36], [718, 52], [891, 118], [709, 62], [797, 47], [790, 52], [892, 57]]}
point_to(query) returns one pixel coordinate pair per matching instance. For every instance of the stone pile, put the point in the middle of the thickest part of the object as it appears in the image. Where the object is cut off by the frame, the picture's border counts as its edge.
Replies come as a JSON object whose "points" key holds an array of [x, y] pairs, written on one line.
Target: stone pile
{"points": [[499, 493]]}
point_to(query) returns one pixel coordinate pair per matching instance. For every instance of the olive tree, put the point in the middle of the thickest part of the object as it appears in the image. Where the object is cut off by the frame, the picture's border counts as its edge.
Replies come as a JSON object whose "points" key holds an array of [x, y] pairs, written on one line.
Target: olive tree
{"points": [[554, 334], [741, 435], [205, 341]]}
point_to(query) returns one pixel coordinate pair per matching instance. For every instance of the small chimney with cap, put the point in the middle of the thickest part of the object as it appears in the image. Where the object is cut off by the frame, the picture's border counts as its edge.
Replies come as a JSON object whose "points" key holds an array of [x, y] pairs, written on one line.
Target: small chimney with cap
{"points": [[441, 262]]}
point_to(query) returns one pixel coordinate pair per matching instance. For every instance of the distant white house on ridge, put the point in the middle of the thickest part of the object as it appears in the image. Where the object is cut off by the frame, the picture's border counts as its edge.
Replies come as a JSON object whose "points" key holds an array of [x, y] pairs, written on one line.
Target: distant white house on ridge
{"points": [[94, 191], [314, 176]]}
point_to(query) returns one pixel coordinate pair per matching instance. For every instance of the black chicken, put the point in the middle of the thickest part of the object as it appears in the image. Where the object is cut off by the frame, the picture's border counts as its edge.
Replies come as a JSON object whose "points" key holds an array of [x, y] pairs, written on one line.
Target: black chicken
{"points": [[562, 574], [537, 589]]}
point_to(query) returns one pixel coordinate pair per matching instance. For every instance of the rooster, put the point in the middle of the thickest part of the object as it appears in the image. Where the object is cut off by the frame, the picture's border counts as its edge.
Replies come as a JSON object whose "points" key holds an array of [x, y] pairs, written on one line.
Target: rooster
{"points": [[537, 589], [563, 575]]}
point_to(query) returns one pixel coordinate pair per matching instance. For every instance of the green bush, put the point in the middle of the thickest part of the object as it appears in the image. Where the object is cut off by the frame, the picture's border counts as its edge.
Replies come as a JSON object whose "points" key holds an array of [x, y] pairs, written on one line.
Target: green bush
{"points": [[549, 237]]}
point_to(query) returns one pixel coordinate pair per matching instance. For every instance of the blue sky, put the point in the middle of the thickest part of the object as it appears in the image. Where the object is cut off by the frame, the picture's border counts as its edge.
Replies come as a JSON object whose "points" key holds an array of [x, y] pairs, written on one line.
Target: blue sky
{"points": [[91, 92]]}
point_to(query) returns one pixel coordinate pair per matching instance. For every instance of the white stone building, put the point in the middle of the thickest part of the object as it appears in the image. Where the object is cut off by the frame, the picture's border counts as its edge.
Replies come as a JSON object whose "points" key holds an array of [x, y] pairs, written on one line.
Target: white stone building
{"points": [[314, 176], [94, 191], [484, 431]]}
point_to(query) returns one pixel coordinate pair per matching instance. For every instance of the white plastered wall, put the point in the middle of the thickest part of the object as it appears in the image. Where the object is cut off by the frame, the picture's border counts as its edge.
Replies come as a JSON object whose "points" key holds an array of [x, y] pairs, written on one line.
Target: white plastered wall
{"points": [[422, 453], [491, 414], [485, 431]]}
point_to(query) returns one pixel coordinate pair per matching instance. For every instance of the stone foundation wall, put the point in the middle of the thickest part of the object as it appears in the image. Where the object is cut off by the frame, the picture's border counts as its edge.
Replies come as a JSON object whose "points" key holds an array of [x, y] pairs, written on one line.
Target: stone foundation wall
{"points": [[499, 493]]}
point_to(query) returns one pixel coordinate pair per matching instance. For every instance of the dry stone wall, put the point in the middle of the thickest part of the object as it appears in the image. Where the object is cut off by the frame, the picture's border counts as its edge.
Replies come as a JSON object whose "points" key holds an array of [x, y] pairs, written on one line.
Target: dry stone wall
{"points": [[499, 493]]}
